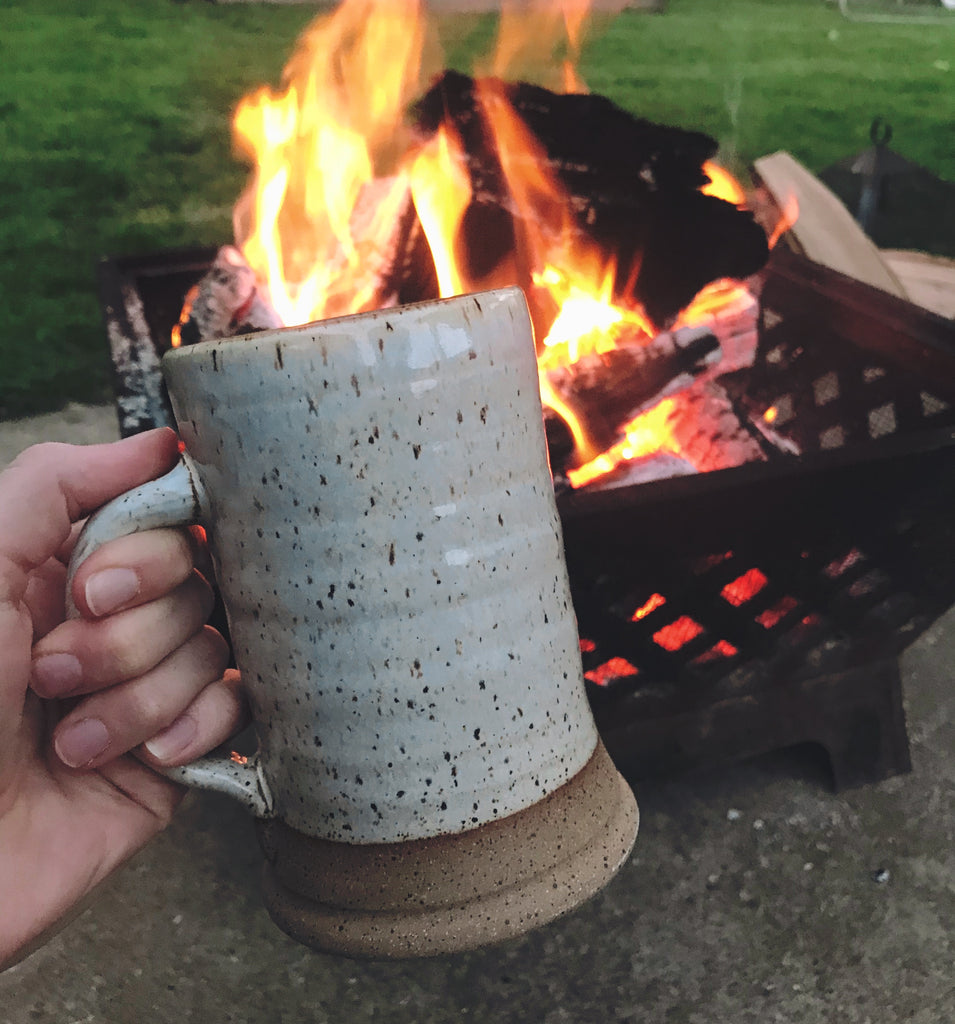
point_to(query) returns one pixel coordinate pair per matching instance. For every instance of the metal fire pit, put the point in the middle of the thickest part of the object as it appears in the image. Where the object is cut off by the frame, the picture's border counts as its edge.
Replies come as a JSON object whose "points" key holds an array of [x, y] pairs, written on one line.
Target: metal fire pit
{"points": [[736, 612]]}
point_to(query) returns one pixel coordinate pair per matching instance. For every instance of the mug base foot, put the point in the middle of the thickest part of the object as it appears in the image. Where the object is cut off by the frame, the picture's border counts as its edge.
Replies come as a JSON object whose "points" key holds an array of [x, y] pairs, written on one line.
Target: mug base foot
{"points": [[429, 897]]}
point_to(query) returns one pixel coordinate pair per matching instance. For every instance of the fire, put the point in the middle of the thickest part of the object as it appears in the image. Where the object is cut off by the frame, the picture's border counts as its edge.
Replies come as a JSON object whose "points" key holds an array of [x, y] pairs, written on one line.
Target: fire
{"points": [[787, 217], [529, 36], [648, 434], [318, 146], [441, 192], [336, 167], [723, 185]]}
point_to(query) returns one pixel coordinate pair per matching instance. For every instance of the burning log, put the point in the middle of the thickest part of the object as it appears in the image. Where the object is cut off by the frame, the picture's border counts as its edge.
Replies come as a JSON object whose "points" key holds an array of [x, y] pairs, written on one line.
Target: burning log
{"points": [[710, 432], [645, 470], [226, 302], [609, 389], [634, 188], [697, 430], [231, 300]]}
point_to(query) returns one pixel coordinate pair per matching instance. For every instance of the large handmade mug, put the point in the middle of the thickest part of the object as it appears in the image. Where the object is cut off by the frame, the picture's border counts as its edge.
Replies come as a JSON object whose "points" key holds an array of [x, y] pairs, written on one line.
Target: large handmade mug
{"points": [[385, 538]]}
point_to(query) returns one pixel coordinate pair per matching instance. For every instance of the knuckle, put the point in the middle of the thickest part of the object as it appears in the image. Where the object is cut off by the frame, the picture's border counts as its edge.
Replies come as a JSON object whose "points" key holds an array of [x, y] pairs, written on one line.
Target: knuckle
{"points": [[216, 647], [123, 649], [144, 707]]}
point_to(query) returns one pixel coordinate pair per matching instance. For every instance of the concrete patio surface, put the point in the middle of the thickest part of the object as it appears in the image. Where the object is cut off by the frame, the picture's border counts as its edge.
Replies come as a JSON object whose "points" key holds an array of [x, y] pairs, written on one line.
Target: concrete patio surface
{"points": [[754, 894]]}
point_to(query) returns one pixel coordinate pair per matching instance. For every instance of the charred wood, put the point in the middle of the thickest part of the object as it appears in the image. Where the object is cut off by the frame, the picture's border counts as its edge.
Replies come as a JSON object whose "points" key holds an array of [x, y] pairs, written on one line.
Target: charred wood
{"points": [[633, 185]]}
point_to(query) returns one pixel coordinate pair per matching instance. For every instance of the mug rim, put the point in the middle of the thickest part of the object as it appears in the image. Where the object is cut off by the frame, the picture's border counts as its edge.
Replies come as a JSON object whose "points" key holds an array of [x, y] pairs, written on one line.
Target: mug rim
{"points": [[507, 293]]}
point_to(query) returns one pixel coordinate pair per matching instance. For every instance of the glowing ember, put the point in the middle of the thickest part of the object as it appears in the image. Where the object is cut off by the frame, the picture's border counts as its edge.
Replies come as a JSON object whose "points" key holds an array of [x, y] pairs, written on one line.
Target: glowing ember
{"points": [[615, 668], [772, 616], [678, 634], [744, 587], [721, 650], [653, 602]]}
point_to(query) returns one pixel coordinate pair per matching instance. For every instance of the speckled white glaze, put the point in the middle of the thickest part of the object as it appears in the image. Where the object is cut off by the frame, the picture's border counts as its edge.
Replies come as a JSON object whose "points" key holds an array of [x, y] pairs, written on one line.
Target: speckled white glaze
{"points": [[385, 537]]}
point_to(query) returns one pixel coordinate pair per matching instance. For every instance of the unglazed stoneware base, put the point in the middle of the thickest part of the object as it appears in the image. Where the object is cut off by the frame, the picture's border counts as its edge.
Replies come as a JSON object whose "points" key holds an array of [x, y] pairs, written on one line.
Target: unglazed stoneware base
{"points": [[451, 893]]}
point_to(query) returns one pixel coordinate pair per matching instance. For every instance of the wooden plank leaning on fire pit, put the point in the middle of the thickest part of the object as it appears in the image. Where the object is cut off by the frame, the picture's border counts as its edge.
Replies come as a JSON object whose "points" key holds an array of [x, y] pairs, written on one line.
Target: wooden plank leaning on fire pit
{"points": [[824, 230]]}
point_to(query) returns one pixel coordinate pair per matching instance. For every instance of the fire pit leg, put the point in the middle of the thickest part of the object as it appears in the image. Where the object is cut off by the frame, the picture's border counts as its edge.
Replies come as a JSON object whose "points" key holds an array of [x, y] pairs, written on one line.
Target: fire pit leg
{"points": [[867, 739], [855, 715]]}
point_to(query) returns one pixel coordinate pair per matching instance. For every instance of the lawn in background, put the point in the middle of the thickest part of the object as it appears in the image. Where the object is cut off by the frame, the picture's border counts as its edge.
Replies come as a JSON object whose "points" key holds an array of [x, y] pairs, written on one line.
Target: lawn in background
{"points": [[114, 129]]}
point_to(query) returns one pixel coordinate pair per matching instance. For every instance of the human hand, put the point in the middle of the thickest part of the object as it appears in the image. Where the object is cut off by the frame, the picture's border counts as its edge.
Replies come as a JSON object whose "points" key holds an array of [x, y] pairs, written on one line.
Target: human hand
{"points": [[138, 671]]}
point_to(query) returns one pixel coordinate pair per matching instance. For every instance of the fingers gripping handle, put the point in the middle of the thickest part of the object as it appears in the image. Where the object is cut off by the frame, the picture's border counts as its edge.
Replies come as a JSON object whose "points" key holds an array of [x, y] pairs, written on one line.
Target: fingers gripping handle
{"points": [[173, 500]]}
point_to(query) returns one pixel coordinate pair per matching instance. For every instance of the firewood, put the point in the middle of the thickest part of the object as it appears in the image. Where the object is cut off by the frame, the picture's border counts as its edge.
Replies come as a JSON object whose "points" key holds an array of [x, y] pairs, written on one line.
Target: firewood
{"points": [[710, 432], [609, 389], [824, 230], [231, 300], [645, 470], [702, 432], [633, 186], [226, 302], [928, 279]]}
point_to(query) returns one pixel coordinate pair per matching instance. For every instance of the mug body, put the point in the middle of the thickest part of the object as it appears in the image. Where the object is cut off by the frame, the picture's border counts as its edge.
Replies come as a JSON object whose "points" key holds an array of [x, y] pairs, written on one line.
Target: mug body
{"points": [[385, 537]]}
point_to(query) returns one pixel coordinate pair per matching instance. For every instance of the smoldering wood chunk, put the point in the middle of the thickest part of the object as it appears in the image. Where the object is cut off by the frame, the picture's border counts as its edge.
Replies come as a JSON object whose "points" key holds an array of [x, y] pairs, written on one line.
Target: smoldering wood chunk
{"points": [[645, 470], [408, 273], [609, 389], [226, 302], [711, 432], [704, 432], [633, 187]]}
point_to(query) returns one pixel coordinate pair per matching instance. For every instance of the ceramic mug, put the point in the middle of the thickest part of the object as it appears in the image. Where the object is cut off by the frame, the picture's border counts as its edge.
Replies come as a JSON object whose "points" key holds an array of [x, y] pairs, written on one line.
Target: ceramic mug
{"points": [[384, 534]]}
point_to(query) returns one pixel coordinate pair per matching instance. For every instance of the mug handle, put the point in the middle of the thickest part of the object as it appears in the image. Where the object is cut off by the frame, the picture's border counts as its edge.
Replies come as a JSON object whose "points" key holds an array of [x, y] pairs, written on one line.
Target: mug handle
{"points": [[175, 499]]}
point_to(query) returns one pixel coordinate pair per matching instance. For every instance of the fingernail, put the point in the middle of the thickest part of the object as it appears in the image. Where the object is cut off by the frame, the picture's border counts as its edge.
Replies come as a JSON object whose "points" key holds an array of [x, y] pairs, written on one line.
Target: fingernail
{"points": [[56, 675], [79, 743], [110, 589], [174, 739]]}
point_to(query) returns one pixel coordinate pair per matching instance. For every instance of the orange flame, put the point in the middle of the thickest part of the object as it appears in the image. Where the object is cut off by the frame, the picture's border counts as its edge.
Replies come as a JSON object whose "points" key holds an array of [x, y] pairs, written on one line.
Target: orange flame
{"points": [[541, 39], [648, 434], [441, 191], [335, 167], [722, 184], [788, 216], [187, 305], [318, 145]]}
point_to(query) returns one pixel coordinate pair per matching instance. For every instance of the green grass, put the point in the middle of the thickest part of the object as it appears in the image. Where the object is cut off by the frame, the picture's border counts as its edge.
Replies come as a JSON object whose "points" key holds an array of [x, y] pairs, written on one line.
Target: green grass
{"points": [[114, 129]]}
